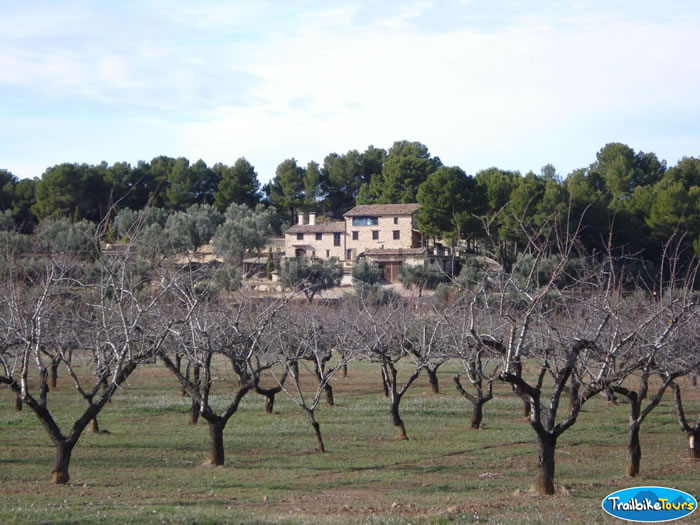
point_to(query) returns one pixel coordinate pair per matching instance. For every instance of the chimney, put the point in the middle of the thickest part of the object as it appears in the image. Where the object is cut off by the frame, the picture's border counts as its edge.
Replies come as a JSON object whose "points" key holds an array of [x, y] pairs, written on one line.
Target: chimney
{"points": [[312, 218], [300, 217]]}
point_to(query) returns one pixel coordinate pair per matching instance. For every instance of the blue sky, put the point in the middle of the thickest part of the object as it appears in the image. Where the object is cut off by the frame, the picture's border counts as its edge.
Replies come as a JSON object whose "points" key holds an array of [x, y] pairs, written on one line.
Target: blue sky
{"points": [[513, 84]]}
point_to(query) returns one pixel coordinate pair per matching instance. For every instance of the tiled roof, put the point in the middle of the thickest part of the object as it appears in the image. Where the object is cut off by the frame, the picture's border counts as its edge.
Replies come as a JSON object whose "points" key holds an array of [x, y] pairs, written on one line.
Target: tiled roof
{"points": [[365, 210], [323, 227], [395, 251]]}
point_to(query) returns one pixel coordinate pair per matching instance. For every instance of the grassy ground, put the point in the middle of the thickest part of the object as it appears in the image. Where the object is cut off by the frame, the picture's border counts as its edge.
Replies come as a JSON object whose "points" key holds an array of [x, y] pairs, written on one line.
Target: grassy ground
{"points": [[149, 467]]}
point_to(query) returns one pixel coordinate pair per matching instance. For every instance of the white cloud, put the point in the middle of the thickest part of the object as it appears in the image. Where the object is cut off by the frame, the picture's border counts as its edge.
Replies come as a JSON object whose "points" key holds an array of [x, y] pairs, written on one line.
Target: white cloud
{"points": [[269, 81], [520, 88]]}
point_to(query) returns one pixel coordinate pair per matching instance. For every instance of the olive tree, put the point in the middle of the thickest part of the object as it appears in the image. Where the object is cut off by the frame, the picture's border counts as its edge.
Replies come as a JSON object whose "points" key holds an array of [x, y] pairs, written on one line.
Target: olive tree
{"points": [[191, 229], [311, 277], [422, 277]]}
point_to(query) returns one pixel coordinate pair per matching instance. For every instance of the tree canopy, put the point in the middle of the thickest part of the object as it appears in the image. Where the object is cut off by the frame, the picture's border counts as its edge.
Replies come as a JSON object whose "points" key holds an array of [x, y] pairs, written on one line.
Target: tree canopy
{"points": [[629, 198]]}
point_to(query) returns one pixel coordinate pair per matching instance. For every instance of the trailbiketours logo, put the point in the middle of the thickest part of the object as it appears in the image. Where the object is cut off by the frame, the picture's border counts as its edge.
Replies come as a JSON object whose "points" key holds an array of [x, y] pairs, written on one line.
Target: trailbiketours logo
{"points": [[650, 504]]}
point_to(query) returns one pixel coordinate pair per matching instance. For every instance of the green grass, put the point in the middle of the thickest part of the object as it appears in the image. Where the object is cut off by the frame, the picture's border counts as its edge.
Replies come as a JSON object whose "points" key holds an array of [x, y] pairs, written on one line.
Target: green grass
{"points": [[148, 469]]}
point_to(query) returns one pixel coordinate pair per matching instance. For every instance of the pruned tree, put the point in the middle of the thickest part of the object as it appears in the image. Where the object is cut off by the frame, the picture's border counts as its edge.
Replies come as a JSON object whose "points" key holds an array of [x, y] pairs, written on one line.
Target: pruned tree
{"points": [[214, 331], [37, 293], [388, 334], [306, 337], [661, 327], [480, 355], [270, 392], [592, 339], [638, 412], [558, 329]]}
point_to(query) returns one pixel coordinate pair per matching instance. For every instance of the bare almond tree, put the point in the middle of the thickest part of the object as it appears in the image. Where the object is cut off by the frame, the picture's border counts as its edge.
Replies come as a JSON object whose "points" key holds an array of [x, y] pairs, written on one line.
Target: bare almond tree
{"points": [[270, 392], [218, 330], [38, 294], [399, 332], [306, 337], [481, 359], [534, 315], [594, 338], [481, 356], [662, 334]]}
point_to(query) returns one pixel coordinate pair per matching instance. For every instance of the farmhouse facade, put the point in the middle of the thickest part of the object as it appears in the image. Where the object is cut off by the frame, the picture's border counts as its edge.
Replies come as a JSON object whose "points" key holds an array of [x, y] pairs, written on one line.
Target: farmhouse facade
{"points": [[321, 240], [381, 233]]}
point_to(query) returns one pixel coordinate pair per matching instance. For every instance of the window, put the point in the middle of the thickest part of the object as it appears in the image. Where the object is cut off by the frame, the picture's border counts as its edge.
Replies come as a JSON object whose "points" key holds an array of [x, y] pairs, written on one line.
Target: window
{"points": [[349, 256], [300, 236], [396, 220], [375, 235], [328, 253], [365, 221], [319, 236], [336, 239], [397, 235], [355, 236]]}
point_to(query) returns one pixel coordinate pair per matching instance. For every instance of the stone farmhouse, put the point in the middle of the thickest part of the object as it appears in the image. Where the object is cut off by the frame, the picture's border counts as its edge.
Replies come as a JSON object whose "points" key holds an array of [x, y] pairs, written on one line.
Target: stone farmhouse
{"points": [[382, 233]]}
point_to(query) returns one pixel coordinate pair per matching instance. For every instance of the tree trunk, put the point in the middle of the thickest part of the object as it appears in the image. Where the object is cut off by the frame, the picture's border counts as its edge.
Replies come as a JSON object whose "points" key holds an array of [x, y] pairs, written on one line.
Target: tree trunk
{"points": [[294, 367], [634, 452], [216, 434], [573, 395], [526, 407], [397, 421], [433, 380], [544, 480], [385, 385], [194, 413], [43, 387], [270, 394], [317, 431], [178, 362], [104, 385], [187, 377], [18, 402], [328, 389], [694, 443], [195, 376], [345, 370], [634, 448], [54, 374], [94, 426], [59, 474], [269, 403], [610, 397], [477, 414]]}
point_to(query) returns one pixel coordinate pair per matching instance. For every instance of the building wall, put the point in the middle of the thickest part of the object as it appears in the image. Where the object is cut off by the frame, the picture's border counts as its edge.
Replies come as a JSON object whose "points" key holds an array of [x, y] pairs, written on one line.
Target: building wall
{"points": [[385, 227], [323, 249]]}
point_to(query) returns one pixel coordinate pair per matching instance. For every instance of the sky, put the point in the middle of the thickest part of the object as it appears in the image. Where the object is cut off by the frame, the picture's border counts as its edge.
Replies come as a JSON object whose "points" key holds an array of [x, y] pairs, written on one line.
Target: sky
{"points": [[506, 83]]}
